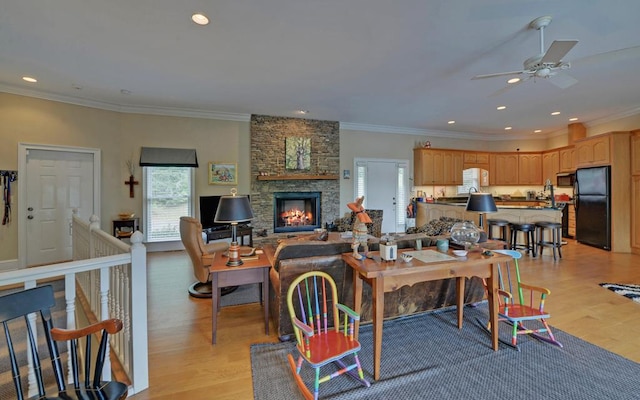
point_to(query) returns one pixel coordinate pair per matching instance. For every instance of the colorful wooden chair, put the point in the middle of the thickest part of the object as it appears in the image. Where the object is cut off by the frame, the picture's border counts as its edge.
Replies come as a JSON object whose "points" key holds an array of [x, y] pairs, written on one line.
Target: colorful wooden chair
{"points": [[521, 304], [324, 330]]}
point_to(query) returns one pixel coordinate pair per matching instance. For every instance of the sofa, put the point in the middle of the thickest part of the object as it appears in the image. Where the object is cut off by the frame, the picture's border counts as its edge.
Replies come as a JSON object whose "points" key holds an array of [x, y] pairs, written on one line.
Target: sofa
{"points": [[292, 257]]}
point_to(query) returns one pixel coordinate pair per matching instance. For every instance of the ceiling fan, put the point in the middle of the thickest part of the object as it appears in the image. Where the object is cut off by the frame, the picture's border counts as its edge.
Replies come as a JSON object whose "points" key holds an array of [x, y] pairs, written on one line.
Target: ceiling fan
{"points": [[545, 64]]}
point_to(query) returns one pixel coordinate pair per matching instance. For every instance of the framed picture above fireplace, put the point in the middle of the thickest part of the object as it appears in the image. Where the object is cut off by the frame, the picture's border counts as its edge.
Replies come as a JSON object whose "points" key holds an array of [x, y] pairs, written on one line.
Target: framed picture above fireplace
{"points": [[221, 173], [297, 153]]}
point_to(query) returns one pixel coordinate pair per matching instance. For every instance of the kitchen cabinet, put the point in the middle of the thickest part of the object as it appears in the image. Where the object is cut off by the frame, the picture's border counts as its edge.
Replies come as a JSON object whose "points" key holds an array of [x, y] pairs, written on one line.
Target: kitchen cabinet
{"points": [[476, 160], [530, 169], [635, 153], [571, 220], [593, 151], [567, 159], [635, 192], [503, 169], [550, 165], [437, 167]]}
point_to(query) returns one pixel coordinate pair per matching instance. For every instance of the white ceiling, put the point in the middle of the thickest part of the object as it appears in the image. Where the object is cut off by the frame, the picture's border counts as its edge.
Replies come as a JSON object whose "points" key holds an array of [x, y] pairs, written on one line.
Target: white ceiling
{"points": [[405, 64]]}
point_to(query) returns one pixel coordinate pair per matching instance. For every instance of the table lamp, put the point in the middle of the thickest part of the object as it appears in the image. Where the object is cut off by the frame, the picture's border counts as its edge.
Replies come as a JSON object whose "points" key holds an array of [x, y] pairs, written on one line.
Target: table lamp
{"points": [[481, 203], [231, 210]]}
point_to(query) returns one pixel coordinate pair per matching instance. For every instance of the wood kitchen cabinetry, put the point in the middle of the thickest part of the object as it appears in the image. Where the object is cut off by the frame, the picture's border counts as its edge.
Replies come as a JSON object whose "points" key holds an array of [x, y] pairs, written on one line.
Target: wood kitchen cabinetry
{"points": [[593, 151], [550, 165], [567, 159], [530, 169], [437, 167], [475, 160], [503, 169], [635, 192]]}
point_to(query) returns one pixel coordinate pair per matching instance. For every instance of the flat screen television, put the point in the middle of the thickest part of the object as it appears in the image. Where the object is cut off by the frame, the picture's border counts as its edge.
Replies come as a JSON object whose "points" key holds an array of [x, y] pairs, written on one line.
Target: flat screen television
{"points": [[208, 208]]}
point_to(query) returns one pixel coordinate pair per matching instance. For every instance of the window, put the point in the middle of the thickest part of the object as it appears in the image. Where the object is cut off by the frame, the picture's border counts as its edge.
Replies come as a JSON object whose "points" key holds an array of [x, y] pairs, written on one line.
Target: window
{"points": [[168, 195]]}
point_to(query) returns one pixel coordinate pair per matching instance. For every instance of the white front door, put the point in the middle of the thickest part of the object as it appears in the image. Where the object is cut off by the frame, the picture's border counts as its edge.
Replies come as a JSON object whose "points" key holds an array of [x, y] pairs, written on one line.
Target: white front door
{"points": [[57, 182], [384, 188]]}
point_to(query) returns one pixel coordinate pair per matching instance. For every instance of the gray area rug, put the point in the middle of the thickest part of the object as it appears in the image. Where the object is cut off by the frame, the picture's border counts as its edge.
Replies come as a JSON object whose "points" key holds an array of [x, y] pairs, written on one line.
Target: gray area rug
{"points": [[624, 289], [427, 357], [244, 294]]}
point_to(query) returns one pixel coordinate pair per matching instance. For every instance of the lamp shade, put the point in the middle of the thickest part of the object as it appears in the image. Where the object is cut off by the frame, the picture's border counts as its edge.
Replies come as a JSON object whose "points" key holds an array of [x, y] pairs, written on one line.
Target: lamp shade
{"points": [[233, 209], [481, 202]]}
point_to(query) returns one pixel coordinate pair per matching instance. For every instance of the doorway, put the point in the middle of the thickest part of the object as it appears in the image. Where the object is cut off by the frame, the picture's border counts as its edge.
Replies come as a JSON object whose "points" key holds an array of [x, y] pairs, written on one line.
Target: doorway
{"points": [[384, 185], [57, 181]]}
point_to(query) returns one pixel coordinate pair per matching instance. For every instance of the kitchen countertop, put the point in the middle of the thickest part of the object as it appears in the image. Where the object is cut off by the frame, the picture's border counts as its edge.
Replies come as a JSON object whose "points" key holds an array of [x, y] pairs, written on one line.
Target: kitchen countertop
{"points": [[458, 204]]}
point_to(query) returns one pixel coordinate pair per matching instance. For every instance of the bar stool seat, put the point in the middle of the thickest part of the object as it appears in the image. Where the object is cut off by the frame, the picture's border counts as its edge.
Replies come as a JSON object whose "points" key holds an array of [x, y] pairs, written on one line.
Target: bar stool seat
{"points": [[503, 227], [555, 233], [529, 230]]}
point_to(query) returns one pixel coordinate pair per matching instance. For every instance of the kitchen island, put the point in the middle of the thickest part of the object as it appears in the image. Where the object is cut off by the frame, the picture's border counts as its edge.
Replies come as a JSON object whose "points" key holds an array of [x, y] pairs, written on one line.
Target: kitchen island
{"points": [[513, 213]]}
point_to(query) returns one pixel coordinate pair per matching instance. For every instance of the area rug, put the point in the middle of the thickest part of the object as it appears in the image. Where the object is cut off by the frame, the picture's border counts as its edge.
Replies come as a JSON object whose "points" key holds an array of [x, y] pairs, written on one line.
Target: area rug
{"points": [[627, 290], [427, 357], [242, 295]]}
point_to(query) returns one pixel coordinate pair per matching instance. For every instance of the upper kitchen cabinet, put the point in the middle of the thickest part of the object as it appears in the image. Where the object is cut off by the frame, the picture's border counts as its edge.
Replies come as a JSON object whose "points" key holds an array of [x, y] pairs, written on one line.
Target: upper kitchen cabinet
{"points": [[593, 151], [550, 165], [635, 152], [437, 167], [567, 159], [530, 169], [476, 160], [503, 169]]}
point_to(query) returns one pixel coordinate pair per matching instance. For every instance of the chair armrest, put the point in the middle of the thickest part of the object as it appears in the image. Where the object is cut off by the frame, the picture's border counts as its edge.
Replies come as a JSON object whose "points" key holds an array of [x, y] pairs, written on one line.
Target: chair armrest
{"points": [[505, 293], [306, 329], [348, 311], [535, 288], [110, 325]]}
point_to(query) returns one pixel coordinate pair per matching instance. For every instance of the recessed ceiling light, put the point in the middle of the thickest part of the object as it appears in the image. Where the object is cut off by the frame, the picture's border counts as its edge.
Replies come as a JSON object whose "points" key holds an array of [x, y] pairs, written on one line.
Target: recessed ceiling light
{"points": [[29, 79], [125, 91], [302, 112], [501, 108], [508, 128], [200, 19], [573, 119], [451, 122], [513, 80], [555, 113], [537, 131]]}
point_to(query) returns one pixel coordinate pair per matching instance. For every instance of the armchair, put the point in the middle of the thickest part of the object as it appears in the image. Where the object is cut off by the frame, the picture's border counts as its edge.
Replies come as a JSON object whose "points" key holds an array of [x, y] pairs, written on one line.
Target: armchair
{"points": [[201, 255]]}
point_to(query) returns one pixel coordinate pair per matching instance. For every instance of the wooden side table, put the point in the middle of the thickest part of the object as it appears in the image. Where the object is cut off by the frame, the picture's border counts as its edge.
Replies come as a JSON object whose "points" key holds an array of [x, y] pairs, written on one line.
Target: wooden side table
{"points": [[124, 228], [252, 271]]}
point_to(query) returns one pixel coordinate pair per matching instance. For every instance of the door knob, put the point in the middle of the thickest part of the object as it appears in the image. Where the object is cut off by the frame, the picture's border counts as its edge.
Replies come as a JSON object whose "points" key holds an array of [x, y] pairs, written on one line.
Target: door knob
{"points": [[30, 209], [29, 216]]}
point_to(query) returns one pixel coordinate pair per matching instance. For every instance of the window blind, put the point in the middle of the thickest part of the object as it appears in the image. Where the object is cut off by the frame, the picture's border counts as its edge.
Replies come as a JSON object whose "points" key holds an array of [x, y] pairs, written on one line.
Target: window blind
{"points": [[166, 157]]}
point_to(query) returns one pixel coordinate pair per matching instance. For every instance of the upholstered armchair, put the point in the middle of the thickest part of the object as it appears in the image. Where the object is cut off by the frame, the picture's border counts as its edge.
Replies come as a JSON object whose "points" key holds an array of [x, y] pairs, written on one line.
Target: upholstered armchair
{"points": [[201, 255]]}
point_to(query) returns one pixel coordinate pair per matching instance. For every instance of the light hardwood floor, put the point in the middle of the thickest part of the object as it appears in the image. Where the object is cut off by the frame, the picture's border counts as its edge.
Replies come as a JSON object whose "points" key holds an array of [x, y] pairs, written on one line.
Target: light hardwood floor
{"points": [[184, 365]]}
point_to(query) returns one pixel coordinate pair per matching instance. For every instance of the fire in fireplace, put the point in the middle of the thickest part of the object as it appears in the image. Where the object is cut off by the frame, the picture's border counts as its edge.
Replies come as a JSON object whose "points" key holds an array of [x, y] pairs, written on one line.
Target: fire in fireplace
{"points": [[296, 211]]}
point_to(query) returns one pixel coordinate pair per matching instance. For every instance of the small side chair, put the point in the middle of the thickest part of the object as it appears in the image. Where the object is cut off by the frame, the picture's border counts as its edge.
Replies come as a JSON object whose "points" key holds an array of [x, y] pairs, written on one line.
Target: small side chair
{"points": [[86, 382], [324, 331]]}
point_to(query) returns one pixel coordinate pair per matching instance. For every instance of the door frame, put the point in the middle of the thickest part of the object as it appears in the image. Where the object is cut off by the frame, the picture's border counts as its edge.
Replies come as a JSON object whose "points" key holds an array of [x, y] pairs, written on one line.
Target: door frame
{"points": [[23, 151]]}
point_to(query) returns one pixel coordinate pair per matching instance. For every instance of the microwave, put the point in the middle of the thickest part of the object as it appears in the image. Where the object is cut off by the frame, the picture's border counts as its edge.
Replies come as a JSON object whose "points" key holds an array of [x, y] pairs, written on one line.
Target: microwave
{"points": [[565, 180]]}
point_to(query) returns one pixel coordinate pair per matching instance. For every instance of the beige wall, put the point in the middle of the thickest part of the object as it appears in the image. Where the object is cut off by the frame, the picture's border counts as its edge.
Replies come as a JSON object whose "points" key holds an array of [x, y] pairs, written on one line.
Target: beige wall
{"points": [[119, 136]]}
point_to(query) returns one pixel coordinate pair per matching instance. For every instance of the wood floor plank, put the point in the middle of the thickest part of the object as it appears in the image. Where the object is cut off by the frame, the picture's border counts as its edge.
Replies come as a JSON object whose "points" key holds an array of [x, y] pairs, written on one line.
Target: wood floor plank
{"points": [[183, 363]]}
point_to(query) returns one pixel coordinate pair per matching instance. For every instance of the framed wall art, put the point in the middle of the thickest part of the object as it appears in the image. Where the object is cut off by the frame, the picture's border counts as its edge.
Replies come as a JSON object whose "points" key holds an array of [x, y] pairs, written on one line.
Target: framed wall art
{"points": [[298, 153], [221, 173]]}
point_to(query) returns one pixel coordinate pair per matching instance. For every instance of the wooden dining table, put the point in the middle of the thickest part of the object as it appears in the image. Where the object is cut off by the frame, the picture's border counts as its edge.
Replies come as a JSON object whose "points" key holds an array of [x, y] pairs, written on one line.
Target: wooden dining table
{"points": [[426, 265]]}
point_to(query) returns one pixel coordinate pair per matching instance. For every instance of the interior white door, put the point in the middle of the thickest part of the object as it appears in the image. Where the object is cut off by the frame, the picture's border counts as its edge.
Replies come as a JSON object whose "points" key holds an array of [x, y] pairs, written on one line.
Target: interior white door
{"points": [[57, 183], [381, 192]]}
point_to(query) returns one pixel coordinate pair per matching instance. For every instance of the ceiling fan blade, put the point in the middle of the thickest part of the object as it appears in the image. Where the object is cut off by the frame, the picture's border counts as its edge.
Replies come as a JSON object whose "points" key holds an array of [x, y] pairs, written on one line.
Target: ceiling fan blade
{"points": [[498, 74], [610, 56], [557, 50], [563, 80]]}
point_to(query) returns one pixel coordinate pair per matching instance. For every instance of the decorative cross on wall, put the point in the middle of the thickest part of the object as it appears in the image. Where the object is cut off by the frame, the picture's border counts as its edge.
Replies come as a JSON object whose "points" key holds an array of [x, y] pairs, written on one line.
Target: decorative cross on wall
{"points": [[131, 182]]}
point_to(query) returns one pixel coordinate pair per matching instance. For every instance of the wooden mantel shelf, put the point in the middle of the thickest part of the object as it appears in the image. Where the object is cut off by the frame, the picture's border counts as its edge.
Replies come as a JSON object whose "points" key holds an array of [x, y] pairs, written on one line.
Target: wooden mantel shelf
{"points": [[296, 177]]}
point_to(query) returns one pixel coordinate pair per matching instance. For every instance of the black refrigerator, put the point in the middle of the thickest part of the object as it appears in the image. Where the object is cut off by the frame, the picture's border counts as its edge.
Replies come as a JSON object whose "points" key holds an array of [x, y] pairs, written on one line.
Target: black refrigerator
{"points": [[592, 201]]}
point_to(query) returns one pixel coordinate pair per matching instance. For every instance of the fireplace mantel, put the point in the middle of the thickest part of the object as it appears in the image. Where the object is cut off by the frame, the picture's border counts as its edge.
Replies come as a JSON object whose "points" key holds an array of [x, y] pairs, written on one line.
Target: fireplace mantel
{"points": [[296, 177]]}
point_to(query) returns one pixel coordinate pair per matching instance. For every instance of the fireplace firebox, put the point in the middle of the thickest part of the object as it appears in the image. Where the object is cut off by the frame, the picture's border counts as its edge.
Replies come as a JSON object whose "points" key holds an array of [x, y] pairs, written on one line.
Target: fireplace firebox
{"points": [[296, 211]]}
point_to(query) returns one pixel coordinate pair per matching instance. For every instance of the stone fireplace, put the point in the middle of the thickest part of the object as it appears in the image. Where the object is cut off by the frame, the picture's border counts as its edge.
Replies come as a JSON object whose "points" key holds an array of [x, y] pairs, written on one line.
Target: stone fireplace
{"points": [[296, 211], [270, 176]]}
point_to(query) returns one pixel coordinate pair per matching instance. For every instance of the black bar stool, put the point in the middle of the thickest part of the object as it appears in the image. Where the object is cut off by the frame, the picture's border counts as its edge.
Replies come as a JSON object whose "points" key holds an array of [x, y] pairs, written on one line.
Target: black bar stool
{"points": [[502, 225], [529, 230], [555, 233]]}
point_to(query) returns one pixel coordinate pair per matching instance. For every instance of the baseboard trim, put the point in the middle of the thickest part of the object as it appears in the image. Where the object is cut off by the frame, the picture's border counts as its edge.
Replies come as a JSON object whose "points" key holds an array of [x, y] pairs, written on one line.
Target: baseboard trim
{"points": [[8, 265]]}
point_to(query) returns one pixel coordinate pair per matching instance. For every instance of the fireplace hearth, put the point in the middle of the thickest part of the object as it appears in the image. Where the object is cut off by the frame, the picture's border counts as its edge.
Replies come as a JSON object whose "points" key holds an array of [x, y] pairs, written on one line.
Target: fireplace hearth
{"points": [[296, 211]]}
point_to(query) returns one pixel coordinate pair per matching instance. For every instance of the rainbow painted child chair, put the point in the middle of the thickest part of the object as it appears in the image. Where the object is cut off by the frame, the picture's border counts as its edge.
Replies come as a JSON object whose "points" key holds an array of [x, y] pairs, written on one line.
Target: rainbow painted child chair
{"points": [[324, 331], [522, 305]]}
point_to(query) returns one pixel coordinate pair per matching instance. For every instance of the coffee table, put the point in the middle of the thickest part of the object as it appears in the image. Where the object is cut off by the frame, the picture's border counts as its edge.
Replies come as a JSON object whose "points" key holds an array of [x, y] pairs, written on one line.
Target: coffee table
{"points": [[252, 271], [387, 276]]}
